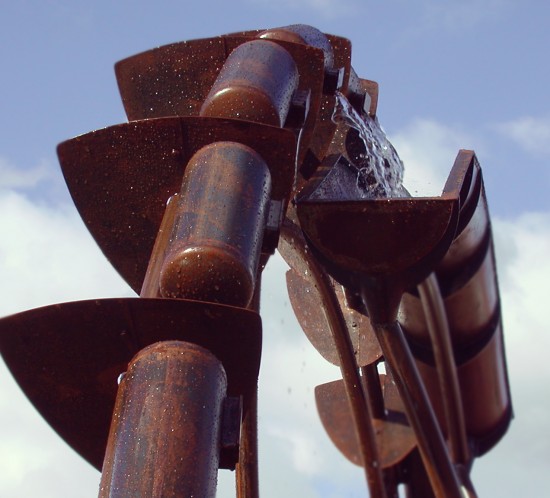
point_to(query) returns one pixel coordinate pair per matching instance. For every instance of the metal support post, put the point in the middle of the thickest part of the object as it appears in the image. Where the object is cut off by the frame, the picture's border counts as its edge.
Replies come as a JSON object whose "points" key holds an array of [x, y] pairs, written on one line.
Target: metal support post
{"points": [[166, 425]]}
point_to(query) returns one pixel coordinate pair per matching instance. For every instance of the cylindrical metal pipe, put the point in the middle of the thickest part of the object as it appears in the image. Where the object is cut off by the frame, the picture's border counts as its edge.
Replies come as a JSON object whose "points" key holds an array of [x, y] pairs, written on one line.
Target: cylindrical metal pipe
{"points": [[442, 475], [256, 83], [469, 287], [485, 394], [467, 278], [303, 34], [215, 246], [359, 405], [165, 432], [469, 309], [246, 471], [449, 389]]}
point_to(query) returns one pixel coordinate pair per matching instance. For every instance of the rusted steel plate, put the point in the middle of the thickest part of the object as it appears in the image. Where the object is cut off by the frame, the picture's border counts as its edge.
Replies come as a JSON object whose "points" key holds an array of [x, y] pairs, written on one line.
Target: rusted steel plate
{"points": [[341, 48], [306, 302], [394, 437], [310, 63], [468, 281], [67, 357], [470, 310], [121, 177], [386, 236], [383, 246], [172, 80], [256, 83], [308, 306], [376, 236]]}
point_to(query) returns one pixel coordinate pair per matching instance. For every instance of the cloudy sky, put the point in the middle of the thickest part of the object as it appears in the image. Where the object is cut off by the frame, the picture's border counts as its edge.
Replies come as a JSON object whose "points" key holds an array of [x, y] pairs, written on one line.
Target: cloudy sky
{"points": [[453, 74]]}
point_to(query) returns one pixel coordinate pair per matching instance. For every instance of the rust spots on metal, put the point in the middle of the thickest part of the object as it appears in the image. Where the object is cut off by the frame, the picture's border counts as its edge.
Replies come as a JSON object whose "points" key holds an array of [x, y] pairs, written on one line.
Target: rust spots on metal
{"points": [[122, 177], [394, 437], [67, 357], [167, 416], [214, 249], [255, 84]]}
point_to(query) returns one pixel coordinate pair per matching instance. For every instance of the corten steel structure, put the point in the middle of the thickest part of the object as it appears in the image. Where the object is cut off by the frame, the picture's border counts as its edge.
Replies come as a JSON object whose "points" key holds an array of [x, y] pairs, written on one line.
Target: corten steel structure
{"points": [[232, 150]]}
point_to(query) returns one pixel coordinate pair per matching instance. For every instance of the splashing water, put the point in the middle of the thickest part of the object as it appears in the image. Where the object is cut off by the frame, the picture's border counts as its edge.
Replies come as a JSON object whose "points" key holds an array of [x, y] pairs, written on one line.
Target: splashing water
{"points": [[378, 168]]}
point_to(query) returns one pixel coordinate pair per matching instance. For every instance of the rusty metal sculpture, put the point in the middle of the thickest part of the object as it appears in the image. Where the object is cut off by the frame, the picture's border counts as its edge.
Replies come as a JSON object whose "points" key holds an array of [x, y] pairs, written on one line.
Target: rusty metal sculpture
{"points": [[232, 148]]}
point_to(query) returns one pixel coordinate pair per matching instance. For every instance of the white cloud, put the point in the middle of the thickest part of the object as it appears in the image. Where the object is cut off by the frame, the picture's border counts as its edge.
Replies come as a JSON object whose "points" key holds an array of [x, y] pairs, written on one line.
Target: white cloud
{"points": [[522, 247], [12, 177], [46, 256], [531, 133], [304, 449], [32, 455]]}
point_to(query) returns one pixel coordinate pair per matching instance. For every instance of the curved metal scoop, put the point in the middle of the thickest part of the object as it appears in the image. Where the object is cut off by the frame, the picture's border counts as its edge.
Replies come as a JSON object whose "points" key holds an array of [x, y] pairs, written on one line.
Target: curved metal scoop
{"points": [[67, 357]]}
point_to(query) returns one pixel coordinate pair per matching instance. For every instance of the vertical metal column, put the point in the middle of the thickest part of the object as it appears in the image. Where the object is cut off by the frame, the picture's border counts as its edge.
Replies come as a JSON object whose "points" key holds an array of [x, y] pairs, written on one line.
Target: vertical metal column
{"points": [[165, 435]]}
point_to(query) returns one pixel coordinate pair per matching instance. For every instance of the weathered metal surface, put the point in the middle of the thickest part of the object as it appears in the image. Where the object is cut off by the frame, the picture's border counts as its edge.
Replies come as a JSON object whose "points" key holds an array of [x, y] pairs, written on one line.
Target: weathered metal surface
{"points": [[302, 34], [340, 47], [306, 304], [67, 357], [163, 81], [441, 473], [377, 237], [449, 390], [484, 388], [360, 406], [215, 245], [172, 80], [121, 177], [471, 309], [211, 241], [306, 301], [256, 83], [468, 282], [167, 425], [466, 275], [151, 282], [397, 240], [384, 247], [317, 135], [394, 437]]}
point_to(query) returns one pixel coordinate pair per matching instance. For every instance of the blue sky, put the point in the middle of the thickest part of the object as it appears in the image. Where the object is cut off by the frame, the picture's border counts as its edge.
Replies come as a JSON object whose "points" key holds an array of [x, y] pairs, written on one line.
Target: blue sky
{"points": [[452, 74]]}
